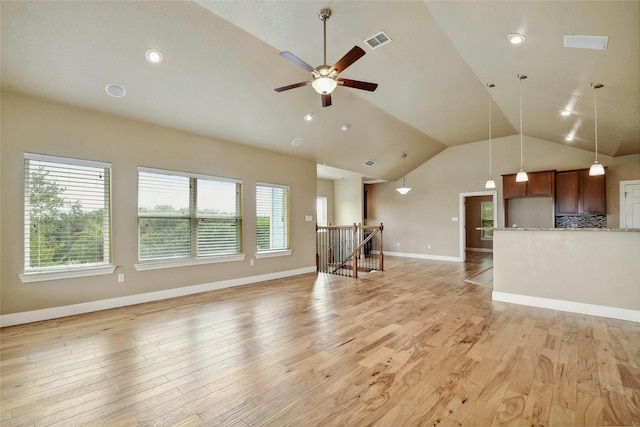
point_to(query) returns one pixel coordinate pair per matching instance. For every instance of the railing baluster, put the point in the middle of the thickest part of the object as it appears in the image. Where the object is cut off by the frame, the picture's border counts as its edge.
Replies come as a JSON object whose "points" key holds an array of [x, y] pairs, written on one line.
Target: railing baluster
{"points": [[345, 250]]}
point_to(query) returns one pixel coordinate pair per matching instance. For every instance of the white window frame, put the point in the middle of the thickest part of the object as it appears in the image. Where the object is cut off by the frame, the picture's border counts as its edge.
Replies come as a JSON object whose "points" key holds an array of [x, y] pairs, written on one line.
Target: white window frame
{"points": [[275, 252], [192, 259], [67, 271]]}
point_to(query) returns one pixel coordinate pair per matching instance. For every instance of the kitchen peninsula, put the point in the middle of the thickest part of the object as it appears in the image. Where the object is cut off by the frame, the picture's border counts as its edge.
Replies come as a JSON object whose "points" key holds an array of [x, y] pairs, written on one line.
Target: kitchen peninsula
{"points": [[584, 270]]}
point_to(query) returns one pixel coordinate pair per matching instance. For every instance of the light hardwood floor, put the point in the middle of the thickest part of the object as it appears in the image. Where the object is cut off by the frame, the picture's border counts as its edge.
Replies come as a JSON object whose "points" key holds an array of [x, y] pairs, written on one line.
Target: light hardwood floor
{"points": [[414, 345]]}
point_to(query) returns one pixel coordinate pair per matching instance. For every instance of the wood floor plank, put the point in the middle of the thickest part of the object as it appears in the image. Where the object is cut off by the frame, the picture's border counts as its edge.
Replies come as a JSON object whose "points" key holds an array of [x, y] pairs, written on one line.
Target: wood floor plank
{"points": [[412, 345]]}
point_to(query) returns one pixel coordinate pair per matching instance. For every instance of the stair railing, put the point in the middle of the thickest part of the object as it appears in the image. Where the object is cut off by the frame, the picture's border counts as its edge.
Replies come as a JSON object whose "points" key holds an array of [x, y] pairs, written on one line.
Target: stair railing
{"points": [[346, 250]]}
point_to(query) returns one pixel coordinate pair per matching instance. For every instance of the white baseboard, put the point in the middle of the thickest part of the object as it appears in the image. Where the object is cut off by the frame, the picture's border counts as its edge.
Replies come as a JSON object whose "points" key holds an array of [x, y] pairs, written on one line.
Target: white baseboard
{"points": [[570, 306], [12, 319], [424, 256]]}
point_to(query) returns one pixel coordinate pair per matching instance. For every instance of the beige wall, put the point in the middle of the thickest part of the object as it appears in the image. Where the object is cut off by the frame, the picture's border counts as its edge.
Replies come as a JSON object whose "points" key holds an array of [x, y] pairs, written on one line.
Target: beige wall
{"points": [[325, 189], [349, 196], [424, 216], [37, 126], [590, 267]]}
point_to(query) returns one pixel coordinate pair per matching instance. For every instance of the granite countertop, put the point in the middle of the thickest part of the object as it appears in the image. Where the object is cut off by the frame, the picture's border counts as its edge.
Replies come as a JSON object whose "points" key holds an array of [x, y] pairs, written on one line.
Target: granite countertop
{"points": [[636, 230]]}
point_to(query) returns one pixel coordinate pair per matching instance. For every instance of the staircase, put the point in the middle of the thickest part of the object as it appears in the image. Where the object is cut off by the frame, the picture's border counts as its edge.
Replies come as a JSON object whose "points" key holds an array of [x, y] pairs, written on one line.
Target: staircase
{"points": [[346, 250]]}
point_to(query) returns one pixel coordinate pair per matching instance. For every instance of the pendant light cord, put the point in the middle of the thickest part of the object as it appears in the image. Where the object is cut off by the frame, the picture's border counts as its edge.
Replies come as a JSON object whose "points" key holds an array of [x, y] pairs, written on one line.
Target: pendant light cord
{"points": [[595, 117], [490, 85], [520, 76]]}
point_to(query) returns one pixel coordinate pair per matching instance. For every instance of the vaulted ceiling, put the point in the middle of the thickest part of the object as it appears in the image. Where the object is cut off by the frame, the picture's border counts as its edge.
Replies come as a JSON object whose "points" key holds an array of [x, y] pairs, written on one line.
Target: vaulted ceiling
{"points": [[221, 64]]}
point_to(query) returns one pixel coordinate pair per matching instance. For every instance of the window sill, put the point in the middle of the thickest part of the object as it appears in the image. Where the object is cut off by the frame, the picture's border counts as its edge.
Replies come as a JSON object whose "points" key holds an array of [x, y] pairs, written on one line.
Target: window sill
{"points": [[44, 276], [156, 265], [273, 254]]}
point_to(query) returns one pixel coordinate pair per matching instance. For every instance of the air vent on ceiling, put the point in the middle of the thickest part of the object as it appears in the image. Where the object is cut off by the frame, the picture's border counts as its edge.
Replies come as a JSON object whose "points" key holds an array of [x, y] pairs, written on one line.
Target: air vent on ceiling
{"points": [[369, 163], [586, 42], [378, 40]]}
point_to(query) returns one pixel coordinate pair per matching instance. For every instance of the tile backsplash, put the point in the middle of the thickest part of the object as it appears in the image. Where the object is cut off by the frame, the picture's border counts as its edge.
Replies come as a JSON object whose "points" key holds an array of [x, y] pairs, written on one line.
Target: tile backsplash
{"points": [[590, 221]]}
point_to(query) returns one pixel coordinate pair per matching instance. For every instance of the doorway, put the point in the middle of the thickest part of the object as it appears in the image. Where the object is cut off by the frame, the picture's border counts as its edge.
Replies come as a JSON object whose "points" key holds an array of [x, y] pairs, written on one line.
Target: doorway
{"points": [[630, 204], [477, 234]]}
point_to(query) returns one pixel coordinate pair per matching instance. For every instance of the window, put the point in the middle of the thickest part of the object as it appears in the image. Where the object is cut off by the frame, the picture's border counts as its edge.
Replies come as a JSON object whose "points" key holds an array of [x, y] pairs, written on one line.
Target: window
{"points": [[66, 214], [486, 222], [272, 217], [183, 216], [321, 211]]}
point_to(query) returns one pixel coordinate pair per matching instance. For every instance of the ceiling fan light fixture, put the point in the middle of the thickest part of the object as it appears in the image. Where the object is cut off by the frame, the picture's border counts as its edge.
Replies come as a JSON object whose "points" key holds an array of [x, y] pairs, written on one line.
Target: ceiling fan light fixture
{"points": [[324, 77], [324, 85]]}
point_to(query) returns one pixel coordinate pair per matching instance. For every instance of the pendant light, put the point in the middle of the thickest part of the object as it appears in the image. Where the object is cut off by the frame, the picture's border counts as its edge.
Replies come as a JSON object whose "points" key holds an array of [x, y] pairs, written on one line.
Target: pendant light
{"points": [[490, 182], [522, 175], [404, 189], [596, 168]]}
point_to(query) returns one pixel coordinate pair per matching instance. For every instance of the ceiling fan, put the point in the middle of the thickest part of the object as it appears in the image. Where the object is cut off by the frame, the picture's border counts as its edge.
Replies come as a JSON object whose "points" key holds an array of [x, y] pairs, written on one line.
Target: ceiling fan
{"points": [[324, 78]]}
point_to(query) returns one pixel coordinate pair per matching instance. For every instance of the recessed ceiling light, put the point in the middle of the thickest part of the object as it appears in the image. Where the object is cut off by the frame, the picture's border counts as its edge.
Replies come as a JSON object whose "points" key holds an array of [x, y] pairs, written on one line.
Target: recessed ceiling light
{"points": [[308, 117], [115, 90], [565, 112], [153, 55], [296, 142], [516, 38], [344, 128], [569, 138]]}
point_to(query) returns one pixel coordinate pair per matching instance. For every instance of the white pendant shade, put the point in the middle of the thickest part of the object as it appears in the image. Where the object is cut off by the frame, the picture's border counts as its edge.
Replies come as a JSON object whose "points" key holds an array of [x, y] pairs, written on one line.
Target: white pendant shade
{"points": [[522, 176], [596, 169], [490, 183], [324, 85], [404, 189]]}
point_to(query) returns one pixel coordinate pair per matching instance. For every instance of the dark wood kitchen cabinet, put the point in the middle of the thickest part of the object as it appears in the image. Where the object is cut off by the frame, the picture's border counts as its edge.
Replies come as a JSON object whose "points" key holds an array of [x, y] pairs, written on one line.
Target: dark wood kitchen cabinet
{"points": [[577, 193], [540, 184]]}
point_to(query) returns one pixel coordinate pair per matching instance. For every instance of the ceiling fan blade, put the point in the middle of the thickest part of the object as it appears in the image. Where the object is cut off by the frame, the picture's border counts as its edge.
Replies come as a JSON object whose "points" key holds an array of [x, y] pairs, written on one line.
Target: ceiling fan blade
{"points": [[293, 86], [299, 62], [352, 56], [326, 100], [358, 84]]}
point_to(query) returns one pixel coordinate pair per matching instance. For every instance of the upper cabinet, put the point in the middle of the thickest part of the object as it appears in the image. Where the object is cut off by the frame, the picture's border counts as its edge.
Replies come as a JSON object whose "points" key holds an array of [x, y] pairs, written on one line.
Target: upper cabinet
{"points": [[540, 184], [577, 193]]}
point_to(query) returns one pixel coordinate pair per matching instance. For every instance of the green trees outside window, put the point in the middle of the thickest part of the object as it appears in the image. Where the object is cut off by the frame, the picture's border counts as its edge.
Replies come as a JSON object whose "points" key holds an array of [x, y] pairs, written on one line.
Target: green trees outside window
{"points": [[66, 213]]}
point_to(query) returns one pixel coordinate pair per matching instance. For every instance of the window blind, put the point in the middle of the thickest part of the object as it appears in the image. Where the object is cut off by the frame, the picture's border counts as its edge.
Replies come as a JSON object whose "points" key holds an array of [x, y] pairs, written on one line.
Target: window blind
{"points": [[272, 217], [182, 215], [67, 213]]}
